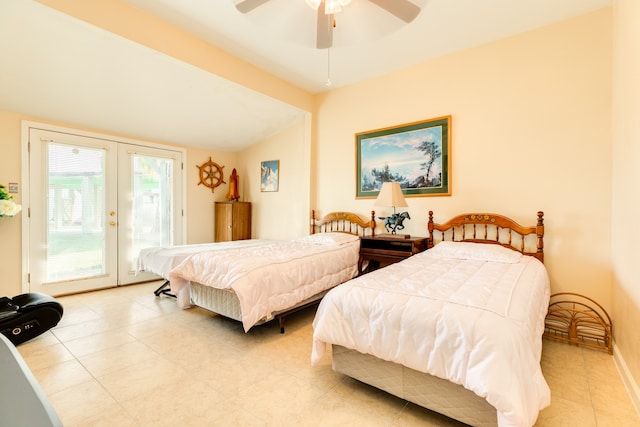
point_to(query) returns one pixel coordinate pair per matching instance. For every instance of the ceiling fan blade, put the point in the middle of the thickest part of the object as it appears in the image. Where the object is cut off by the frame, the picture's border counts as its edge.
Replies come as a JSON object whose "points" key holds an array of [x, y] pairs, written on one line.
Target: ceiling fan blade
{"points": [[402, 9], [324, 34], [248, 5]]}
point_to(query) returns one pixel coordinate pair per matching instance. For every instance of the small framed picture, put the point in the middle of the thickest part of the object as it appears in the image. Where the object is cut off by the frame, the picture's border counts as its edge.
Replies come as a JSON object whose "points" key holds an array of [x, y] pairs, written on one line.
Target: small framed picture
{"points": [[269, 175]]}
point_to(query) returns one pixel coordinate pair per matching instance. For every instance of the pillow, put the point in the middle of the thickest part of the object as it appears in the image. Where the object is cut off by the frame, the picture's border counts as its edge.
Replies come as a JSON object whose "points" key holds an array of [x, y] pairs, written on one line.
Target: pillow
{"points": [[333, 238], [475, 251]]}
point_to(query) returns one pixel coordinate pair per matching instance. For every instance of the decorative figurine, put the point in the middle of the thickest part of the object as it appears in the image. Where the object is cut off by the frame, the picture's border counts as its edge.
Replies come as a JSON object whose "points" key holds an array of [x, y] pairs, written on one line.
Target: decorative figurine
{"points": [[394, 222], [233, 195]]}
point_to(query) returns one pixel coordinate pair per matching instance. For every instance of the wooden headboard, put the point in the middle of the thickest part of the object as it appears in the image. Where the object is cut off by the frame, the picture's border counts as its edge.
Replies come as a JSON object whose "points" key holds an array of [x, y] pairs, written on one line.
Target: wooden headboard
{"points": [[490, 228], [344, 222]]}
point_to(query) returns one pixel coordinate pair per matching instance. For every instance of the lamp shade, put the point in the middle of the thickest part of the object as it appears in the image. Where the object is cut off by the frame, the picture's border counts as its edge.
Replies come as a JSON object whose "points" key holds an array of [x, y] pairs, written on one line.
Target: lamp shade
{"points": [[391, 195]]}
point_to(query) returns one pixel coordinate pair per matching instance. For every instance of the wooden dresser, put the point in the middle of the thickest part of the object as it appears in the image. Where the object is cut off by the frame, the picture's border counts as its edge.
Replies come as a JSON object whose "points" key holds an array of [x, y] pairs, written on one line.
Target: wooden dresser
{"points": [[232, 221]]}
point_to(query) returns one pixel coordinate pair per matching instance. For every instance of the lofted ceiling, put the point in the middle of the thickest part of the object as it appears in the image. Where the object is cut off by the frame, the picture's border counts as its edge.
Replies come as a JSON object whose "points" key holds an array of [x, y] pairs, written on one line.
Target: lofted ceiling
{"points": [[56, 67]]}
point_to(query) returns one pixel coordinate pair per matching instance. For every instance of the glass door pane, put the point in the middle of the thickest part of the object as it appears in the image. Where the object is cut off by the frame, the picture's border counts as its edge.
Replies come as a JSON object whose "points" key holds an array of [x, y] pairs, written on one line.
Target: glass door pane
{"points": [[148, 184], [76, 246], [152, 202]]}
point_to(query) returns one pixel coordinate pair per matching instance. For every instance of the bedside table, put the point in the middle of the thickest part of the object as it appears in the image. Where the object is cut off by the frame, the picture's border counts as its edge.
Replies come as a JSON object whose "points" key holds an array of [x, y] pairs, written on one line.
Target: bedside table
{"points": [[387, 250]]}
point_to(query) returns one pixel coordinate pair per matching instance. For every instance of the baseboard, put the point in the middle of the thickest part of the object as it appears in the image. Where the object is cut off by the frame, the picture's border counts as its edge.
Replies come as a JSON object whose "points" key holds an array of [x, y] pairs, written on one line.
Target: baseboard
{"points": [[627, 378]]}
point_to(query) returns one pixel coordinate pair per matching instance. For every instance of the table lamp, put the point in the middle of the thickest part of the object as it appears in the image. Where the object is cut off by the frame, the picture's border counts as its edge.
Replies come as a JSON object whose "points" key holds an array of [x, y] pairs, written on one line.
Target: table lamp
{"points": [[391, 195]]}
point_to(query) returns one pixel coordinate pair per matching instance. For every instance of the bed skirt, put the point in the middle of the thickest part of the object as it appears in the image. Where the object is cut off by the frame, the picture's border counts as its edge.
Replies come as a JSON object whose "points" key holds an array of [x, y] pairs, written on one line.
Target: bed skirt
{"points": [[220, 301], [425, 390], [225, 303]]}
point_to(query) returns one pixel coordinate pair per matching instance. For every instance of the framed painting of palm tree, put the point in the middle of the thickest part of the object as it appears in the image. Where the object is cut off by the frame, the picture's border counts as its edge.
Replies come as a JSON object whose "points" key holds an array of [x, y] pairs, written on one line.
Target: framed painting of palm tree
{"points": [[417, 155]]}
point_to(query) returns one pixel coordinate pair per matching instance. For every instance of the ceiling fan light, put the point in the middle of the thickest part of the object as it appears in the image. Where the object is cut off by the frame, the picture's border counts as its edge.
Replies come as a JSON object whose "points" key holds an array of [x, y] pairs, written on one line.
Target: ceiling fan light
{"points": [[332, 6], [314, 4]]}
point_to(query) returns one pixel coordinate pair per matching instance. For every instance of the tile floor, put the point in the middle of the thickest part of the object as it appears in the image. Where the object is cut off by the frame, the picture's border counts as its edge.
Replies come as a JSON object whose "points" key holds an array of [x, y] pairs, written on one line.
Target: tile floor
{"points": [[123, 357]]}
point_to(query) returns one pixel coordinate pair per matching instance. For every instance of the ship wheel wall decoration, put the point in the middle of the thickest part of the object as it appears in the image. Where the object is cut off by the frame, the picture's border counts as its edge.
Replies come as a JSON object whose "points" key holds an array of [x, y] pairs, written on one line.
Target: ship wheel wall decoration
{"points": [[211, 174]]}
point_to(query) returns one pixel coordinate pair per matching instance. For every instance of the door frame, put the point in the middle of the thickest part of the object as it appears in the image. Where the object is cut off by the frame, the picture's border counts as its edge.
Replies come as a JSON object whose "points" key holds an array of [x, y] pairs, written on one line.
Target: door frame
{"points": [[26, 125]]}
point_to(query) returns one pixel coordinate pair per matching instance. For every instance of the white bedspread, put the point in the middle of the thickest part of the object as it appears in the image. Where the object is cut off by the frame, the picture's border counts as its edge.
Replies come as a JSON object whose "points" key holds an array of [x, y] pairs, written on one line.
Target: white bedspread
{"points": [[161, 260], [272, 277], [472, 322]]}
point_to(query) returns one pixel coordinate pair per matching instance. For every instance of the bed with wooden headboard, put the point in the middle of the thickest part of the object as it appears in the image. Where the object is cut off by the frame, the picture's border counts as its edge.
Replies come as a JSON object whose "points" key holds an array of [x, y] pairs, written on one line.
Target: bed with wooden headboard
{"points": [[262, 282], [456, 329], [490, 228]]}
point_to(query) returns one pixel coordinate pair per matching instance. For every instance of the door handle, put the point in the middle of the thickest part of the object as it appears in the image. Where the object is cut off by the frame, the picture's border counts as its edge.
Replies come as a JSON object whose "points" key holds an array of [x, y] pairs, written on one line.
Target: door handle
{"points": [[112, 223]]}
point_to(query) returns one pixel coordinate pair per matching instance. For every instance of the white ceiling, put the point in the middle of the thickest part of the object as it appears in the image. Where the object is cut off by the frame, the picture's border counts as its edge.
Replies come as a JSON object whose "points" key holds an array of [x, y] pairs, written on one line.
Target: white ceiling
{"points": [[55, 67]]}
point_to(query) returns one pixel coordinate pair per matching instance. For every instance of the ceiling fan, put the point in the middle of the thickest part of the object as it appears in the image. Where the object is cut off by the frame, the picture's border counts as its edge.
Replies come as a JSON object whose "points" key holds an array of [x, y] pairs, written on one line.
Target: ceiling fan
{"points": [[402, 9]]}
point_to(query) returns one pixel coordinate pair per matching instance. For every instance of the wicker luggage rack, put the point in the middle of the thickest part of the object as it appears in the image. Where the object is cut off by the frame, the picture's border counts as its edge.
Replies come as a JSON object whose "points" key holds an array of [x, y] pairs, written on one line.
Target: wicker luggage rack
{"points": [[578, 319]]}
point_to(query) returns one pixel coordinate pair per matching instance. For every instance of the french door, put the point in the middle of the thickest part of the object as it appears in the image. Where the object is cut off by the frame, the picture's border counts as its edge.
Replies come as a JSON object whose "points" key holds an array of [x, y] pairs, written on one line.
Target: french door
{"points": [[94, 203]]}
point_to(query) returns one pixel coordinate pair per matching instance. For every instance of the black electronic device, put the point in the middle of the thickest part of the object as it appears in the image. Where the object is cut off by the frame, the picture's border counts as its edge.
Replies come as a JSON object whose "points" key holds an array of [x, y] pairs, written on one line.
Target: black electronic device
{"points": [[26, 316]]}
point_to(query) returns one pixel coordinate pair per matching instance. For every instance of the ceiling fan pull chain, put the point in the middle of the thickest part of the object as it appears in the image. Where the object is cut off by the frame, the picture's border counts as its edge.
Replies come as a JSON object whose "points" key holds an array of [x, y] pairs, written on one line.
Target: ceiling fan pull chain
{"points": [[328, 82], [331, 22]]}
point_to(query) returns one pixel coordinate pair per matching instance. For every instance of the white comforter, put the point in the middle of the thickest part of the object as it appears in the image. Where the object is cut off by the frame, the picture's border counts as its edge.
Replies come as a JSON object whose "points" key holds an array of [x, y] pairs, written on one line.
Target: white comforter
{"points": [[463, 314], [162, 259], [272, 277]]}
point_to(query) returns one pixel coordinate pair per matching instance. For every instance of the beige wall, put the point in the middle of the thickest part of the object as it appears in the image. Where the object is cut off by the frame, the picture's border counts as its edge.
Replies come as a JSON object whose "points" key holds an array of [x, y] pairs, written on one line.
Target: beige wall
{"points": [[530, 131], [200, 198], [626, 188], [11, 228], [282, 214]]}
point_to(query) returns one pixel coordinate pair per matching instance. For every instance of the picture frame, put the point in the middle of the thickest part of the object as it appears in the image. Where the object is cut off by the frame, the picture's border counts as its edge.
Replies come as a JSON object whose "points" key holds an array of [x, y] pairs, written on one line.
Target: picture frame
{"points": [[269, 175], [417, 155]]}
